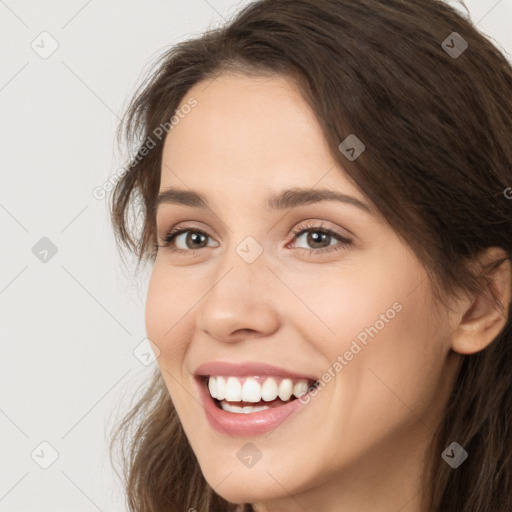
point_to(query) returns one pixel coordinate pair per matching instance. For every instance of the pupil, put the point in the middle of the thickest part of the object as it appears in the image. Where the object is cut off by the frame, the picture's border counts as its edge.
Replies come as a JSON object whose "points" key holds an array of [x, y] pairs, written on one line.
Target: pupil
{"points": [[195, 237], [316, 237]]}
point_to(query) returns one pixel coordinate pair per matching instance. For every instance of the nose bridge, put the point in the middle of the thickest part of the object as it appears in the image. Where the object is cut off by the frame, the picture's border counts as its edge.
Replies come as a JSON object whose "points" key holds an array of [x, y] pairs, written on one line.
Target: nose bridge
{"points": [[245, 263], [240, 295]]}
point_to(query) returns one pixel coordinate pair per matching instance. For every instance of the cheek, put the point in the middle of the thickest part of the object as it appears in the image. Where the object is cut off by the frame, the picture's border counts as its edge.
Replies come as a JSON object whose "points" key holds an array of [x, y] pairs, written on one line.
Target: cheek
{"points": [[167, 303], [168, 326], [395, 379], [379, 319], [344, 306], [391, 370], [382, 293]]}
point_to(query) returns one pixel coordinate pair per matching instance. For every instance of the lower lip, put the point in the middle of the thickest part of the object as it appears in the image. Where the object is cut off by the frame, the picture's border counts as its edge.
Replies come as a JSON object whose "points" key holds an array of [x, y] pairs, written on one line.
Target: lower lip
{"points": [[241, 424]]}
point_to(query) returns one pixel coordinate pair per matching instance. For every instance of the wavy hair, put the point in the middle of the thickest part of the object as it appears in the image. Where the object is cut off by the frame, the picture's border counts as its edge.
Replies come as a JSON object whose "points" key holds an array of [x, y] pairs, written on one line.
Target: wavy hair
{"points": [[438, 160]]}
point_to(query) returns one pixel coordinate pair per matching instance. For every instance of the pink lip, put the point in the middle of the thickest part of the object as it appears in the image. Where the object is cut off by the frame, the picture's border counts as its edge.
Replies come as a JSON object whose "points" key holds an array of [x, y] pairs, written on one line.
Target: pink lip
{"points": [[253, 424], [247, 370]]}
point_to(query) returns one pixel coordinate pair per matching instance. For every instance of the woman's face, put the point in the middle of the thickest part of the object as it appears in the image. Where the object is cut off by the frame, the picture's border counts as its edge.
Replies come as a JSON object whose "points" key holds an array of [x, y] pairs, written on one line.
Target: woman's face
{"points": [[304, 289]]}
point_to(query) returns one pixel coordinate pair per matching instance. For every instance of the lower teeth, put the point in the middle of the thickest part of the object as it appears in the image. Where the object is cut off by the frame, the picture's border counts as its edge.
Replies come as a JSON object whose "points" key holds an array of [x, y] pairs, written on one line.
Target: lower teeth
{"points": [[247, 409]]}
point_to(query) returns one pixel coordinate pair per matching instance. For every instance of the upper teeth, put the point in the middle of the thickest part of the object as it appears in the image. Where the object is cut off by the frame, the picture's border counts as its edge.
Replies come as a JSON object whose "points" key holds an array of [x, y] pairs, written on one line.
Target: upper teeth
{"points": [[232, 390]]}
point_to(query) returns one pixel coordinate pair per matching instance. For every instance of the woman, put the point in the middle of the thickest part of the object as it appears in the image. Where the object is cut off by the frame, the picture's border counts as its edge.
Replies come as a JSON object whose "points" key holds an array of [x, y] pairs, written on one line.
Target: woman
{"points": [[293, 375]]}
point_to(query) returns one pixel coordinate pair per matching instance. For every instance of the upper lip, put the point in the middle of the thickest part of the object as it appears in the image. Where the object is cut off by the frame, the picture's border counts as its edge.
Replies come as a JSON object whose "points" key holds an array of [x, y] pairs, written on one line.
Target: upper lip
{"points": [[246, 370]]}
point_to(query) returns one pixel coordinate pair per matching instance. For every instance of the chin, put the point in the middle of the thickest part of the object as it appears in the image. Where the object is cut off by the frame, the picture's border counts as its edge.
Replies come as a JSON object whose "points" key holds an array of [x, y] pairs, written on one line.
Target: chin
{"points": [[246, 489]]}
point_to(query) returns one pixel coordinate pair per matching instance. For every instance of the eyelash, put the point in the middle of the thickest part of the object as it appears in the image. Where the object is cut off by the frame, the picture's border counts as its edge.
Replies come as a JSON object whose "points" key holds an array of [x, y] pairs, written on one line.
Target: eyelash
{"points": [[296, 233]]}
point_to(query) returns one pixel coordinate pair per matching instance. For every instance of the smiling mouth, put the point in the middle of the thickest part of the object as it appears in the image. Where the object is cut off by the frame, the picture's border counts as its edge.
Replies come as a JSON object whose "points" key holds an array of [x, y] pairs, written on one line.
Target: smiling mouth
{"points": [[246, 395]]}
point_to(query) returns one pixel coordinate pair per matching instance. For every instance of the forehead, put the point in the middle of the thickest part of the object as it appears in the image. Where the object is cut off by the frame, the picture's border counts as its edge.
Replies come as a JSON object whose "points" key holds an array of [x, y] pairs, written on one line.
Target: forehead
{"points": [[249, 133], [244, 118]]}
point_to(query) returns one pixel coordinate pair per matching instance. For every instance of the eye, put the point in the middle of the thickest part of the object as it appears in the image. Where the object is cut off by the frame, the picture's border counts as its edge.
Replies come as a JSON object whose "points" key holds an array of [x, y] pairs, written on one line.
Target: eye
{"points": [[320, 238], [190, 238]]}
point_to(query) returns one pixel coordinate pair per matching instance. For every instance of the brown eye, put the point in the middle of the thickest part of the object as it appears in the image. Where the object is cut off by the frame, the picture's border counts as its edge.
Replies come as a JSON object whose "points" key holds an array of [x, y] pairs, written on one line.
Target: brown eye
{"points": [[319, 239], [186, 239], [195, 239]]}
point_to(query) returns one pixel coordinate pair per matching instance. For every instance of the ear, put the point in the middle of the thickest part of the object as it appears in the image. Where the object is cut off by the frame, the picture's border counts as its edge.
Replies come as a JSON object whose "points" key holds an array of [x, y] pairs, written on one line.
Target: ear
{"points": [[482, 319]]}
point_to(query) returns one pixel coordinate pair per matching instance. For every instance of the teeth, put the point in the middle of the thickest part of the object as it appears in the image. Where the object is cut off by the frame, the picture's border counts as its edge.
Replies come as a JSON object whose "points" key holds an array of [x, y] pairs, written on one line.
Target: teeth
{"points": [[220, 388], [300, 388], [232, 390], [285, 389], [212, 387], [251, 391], [242, 410], [269, 390]]}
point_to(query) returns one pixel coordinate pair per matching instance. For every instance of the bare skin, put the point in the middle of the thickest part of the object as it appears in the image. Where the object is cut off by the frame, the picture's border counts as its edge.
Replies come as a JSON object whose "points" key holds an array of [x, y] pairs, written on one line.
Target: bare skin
{"points": [[360, 443]]}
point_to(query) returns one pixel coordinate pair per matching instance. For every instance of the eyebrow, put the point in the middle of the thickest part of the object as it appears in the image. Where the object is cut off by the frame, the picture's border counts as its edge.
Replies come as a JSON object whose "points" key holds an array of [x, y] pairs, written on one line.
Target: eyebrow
{"points": [[283, 200]]}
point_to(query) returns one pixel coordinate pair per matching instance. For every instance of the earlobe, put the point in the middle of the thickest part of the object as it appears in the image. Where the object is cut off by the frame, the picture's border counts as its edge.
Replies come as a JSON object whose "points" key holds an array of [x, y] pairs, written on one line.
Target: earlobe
{"points": [[485, 314]]}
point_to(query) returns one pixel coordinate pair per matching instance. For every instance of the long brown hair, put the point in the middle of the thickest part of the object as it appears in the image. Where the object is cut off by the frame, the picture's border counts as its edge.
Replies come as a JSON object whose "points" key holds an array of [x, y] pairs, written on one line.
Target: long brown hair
{"points": [[437, 126]]}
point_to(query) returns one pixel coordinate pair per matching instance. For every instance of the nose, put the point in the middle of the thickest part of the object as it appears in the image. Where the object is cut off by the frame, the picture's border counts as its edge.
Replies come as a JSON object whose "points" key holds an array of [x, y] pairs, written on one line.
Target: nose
{"points": [[241, 302]]}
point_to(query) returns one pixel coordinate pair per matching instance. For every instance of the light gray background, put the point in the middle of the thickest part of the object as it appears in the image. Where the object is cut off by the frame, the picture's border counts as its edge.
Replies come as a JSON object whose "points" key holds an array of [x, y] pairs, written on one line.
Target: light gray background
{"points": [[70, 325]]}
